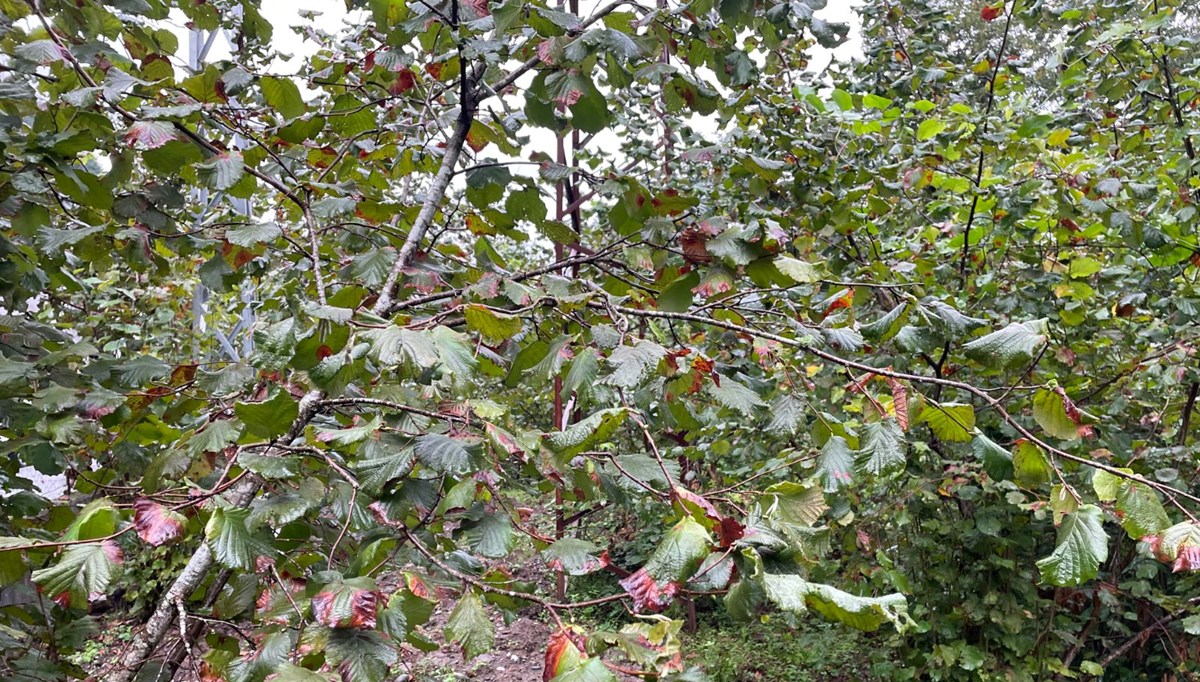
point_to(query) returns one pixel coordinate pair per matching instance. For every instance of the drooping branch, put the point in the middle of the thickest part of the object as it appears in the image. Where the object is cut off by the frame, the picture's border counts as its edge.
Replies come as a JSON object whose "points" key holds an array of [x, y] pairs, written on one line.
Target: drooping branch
{"points": [[993, 403]]}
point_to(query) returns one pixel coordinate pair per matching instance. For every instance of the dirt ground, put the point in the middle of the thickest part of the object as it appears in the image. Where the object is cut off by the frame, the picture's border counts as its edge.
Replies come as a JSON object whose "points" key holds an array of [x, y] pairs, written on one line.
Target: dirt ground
{"points": [[517, 655]]}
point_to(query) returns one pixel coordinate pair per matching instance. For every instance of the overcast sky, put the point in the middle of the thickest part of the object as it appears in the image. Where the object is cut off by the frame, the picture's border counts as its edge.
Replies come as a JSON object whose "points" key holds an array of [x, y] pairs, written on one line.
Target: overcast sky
{"points": [[331, 16]]}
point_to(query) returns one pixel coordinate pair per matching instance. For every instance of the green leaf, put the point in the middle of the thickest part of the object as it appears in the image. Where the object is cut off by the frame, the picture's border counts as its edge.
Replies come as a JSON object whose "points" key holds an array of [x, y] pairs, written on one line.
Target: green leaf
{"points": [[269, 465], [787, 415], [495, 327], [222, 171], [953, 422], [1140, 510], [97, 519], [81, 571], [590, 670], [443, 453], [573, 556], [360, 655], [351, 435], [678, 295], [930, 128], [796, 504], [253, 234], [735, 396], [796, 595], [584, 434], [395, 345], [882, 448], [288, 672], [470, 626], [282, 95], [1052, 411], [13, 371], [1030, 466], [887, 326], [1082, 547], [381, 462], [1016, 344], [270, 418], [275, 345], [1108, 486], [229, 539], [997, 462], [492, 536], [143, 369], [454, 351], [215, 437], [798, 270], [835, 464], [632, 364], [42, 52], [646, 470]]}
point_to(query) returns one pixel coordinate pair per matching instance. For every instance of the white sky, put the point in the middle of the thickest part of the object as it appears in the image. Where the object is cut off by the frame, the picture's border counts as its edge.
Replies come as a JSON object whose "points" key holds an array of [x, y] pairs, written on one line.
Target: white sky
{"points": [[331, 16]]}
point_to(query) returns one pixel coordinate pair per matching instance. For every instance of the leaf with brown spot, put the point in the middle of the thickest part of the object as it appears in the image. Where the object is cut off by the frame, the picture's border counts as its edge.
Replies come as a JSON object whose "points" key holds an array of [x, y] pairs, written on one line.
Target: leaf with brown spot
{"points": [[353, 603], [155, 523]]}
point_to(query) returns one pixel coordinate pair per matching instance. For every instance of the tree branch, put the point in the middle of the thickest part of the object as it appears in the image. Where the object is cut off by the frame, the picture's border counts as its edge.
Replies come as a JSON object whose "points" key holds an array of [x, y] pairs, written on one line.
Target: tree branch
{"points": [[1171, 493], [966, 252]]}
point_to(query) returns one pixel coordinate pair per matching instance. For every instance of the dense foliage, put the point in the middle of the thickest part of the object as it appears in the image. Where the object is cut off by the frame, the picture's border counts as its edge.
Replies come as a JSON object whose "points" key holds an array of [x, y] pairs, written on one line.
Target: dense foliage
{"points": [[623, 291]]}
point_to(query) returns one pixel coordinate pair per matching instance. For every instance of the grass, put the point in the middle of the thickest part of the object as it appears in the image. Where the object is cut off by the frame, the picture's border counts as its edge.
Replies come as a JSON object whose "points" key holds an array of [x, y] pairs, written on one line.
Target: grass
{"points": [[775, 649]]}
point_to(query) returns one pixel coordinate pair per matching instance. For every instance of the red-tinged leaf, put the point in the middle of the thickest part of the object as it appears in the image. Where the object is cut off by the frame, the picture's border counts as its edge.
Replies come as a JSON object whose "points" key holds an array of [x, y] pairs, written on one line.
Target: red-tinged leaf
{"points": [[1188, 559], [691, 502], [504, 439], [323, 352], [208, 673], [546, 53], [480, 7], [112, 551], [475, 142], [274, 605], [991, 12], [648, 594], [765, 351], [155, 523], [843, 301], [1069, 405], [693, 242], [417, 586], [346, 605], [369, 62], [565, 652], [570, 97], [730, 531], [434, 69], [899, 402], [150, 134], [405, 80]]}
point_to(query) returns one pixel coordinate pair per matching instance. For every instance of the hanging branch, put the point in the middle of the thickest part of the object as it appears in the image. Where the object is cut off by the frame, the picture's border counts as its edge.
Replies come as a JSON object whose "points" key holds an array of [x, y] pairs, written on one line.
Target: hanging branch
{"points": [[991, 100], [995, 404]]}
